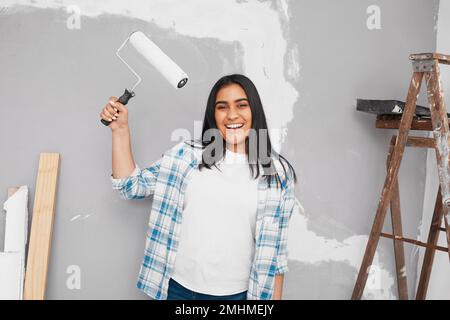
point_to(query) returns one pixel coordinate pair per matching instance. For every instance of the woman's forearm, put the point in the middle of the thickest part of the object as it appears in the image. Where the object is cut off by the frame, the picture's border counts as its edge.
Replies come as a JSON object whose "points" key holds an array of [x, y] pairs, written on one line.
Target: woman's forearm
{"points": [[278, 287], [122, 157]]}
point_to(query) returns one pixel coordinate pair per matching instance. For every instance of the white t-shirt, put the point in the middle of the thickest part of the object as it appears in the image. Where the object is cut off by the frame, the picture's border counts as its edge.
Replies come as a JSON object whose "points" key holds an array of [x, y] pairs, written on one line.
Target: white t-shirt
{"points": [[217, 237]]}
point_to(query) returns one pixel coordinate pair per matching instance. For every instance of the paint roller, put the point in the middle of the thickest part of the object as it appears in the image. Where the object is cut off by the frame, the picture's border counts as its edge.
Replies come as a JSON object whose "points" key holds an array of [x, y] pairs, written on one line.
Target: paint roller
{"points": [[157, 58]]}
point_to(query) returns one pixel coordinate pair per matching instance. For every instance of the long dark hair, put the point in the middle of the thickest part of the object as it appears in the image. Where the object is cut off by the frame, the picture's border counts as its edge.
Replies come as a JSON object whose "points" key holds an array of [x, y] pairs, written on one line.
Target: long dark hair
{"points": [[259, 124]]}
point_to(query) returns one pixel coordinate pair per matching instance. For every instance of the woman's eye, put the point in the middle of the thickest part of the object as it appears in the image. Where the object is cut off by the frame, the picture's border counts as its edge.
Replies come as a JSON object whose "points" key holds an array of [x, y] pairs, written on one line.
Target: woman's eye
{"points": [[242, 105], [221, 107]]}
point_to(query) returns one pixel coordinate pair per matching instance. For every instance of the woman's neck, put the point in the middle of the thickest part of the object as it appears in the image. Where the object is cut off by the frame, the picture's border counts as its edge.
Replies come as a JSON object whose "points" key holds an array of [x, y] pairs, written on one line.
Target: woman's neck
{"points": [[237, 148]]}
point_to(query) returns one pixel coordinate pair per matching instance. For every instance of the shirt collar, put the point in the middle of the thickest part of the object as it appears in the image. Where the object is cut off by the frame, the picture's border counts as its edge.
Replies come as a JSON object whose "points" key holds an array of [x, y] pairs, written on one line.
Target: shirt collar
{"points": [[198, 150]]}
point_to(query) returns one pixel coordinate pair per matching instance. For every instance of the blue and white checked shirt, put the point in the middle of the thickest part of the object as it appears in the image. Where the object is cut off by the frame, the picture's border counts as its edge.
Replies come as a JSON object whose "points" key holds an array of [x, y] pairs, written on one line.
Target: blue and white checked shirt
{"points": [[166, 180]]}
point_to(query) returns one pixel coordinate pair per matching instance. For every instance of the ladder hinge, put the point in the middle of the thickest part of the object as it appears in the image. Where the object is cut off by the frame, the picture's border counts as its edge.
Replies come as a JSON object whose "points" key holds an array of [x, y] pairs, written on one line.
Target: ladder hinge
{"points": [[423, 65]]}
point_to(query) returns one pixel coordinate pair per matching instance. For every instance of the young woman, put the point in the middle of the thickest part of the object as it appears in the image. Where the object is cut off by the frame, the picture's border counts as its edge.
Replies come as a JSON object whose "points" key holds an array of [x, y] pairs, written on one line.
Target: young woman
{"points": [[221, 204]]}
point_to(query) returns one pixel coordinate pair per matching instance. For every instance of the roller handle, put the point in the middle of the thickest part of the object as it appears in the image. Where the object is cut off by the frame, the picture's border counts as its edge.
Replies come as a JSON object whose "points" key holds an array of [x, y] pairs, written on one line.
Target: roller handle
{"points": [[127, 95]]}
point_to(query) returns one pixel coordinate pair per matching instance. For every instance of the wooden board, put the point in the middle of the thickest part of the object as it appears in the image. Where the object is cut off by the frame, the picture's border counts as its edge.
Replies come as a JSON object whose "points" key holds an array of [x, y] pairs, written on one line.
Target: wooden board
{"points": [[41, 227]]}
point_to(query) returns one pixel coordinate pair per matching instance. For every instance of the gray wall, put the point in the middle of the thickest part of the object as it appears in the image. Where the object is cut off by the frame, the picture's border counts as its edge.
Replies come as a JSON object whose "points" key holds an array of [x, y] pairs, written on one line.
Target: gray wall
{"points": [[54, 82]]}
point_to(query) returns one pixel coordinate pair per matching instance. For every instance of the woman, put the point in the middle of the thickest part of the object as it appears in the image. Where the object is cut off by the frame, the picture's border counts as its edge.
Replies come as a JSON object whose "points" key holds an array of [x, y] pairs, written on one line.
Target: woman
{"points": [[221, 204]]}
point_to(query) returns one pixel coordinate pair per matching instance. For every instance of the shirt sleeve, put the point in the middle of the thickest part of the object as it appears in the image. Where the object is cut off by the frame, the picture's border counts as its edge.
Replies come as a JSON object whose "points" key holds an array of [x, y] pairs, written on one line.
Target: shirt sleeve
{"points": [[287, 206], [139, 184]]}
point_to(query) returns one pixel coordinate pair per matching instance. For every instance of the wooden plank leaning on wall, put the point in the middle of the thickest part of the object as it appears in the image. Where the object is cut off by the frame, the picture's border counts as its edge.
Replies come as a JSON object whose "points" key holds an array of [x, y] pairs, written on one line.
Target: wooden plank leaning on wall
{"points": [[41, 227]]}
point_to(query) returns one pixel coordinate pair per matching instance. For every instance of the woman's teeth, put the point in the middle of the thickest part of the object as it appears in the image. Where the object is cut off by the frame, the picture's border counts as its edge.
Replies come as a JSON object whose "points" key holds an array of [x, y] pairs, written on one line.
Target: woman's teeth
{"points": [[234, 126]]}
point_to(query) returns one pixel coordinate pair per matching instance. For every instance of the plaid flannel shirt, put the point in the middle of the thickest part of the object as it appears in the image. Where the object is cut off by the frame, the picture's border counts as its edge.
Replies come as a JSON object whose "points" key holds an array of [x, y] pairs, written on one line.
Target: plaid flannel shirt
{"points": [[166, 180]]}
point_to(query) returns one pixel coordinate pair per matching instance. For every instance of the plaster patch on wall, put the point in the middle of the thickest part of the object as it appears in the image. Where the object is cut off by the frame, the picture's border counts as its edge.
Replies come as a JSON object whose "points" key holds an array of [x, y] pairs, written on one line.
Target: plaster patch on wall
{"points": [[80, 217], [293, 72], [260, 34], [75, 217], [308, 247]]}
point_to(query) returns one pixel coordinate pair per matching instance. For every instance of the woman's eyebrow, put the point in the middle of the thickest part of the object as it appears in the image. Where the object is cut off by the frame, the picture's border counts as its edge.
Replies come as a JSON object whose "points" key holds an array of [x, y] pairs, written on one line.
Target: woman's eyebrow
{"points": [[238, 100]]}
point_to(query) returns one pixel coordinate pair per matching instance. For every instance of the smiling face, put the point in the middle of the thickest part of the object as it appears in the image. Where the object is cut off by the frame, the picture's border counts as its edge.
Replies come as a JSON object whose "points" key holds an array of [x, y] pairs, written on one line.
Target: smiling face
{"points": [[233, 116]]}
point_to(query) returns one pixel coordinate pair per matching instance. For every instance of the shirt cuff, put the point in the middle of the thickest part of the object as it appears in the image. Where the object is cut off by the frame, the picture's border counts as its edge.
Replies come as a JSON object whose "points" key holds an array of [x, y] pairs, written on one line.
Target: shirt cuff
{"points": [[119, 183], [282, 265]]}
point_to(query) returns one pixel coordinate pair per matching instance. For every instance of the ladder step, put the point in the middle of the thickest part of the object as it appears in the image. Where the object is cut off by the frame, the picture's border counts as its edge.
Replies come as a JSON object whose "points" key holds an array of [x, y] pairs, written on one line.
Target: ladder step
{"points": [[418, 243], [442, 58], [393, 122]]}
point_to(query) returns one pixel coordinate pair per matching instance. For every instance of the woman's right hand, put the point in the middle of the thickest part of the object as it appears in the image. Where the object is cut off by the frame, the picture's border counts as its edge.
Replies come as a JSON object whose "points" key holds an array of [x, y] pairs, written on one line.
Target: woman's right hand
{"points": [[115, 112]]}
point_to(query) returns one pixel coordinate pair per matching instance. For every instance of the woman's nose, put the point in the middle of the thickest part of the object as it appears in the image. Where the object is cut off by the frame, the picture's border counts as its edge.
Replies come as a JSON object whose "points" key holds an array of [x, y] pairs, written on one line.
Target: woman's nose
{"points": [[232, 114]]}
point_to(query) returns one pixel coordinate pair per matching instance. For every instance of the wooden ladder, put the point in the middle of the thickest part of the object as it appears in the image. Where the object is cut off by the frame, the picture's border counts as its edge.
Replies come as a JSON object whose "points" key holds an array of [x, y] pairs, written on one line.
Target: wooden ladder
{"points": [[425, 65]]}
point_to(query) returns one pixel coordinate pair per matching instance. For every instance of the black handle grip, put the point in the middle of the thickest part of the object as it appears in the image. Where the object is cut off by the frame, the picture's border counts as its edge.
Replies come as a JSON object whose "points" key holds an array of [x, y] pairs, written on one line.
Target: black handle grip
{"points": [[127, 95]]}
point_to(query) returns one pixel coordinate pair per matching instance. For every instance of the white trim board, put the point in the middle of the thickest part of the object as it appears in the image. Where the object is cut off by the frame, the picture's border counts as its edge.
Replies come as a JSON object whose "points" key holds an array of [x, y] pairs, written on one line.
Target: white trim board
{"points": [[12, 261], [11, 275]]}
